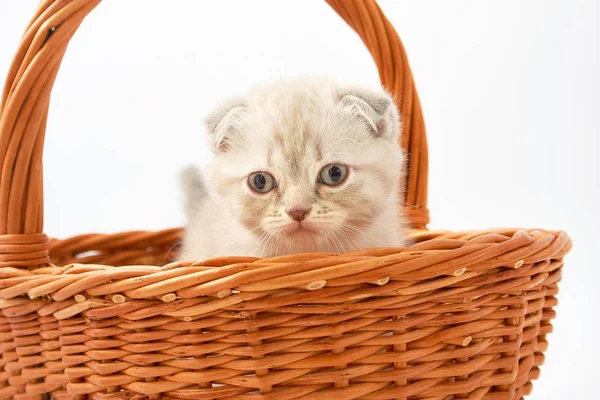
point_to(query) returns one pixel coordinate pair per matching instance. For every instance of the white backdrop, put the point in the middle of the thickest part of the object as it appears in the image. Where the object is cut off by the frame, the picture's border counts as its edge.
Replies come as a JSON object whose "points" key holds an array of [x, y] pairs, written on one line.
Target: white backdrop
{"points": [[509, 89]]}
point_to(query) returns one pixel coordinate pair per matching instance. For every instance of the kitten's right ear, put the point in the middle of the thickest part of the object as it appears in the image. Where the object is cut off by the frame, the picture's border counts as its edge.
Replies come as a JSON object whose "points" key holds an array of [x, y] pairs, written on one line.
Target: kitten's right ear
{"points": [[225, 123]]}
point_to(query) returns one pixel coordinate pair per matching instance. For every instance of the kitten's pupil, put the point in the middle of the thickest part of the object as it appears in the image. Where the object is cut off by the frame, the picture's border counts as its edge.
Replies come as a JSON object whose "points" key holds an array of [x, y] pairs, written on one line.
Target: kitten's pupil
{"points": [[260, 181], [335, 173]]}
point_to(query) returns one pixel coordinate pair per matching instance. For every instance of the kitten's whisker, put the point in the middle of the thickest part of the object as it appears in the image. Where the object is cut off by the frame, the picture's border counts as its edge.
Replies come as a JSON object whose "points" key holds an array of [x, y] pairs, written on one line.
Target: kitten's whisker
{"points": [[254, 229], [336, 231], [277, 244], [348, 238], [170, 250], [335, 237], [360, 233], [270, 245], [418, 206], [329, 239], [352, 243], [349, 228], [262, 243]]}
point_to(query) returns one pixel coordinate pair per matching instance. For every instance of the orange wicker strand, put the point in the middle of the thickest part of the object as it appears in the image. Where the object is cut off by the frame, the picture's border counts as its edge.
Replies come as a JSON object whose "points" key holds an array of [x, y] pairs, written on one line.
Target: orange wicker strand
{"points": [[453, 316]]}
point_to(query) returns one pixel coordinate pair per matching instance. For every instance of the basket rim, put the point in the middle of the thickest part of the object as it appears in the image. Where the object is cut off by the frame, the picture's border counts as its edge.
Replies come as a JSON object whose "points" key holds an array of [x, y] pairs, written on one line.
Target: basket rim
{"points": [[434, 255]]}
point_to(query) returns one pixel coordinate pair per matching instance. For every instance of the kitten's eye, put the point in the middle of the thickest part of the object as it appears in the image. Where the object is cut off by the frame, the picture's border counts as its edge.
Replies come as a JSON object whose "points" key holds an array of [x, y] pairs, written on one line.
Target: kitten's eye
{"points": [[333, 174], [261, 182]]}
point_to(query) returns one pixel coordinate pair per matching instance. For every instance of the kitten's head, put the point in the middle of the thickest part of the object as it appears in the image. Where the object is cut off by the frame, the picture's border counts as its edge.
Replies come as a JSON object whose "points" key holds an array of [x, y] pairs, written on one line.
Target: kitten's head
{"points": [[305, 162]]}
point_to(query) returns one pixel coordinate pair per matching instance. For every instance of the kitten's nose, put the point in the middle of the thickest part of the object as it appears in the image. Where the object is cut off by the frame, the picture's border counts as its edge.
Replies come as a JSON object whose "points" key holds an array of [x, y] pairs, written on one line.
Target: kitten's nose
{"points": [[298, 213]]}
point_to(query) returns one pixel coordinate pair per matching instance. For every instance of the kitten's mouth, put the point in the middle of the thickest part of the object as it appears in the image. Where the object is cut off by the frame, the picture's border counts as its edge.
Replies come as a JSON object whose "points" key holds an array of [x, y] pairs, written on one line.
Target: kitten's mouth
{"points": [[299, 227]]}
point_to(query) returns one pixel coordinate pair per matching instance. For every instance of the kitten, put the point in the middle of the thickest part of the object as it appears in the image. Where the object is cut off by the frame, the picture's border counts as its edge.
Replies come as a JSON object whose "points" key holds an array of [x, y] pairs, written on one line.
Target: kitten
{"points": [[299, 166]]}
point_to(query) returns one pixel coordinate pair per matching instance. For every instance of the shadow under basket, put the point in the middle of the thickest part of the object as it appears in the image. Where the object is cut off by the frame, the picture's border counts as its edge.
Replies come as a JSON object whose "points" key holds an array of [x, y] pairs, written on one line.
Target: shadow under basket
{"points": [[453, 316]]}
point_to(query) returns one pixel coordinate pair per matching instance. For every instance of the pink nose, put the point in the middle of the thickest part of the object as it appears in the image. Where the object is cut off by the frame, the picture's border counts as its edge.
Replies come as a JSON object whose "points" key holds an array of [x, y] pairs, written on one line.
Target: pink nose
{"points": [[298, 213]]}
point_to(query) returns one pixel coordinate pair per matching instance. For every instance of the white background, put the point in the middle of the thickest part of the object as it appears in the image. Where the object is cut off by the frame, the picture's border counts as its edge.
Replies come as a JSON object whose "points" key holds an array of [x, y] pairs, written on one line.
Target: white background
{"points": [[509, 89]]}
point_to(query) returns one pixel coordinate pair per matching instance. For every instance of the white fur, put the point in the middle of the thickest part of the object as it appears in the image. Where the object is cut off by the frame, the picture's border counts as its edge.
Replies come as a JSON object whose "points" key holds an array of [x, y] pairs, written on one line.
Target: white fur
{"points": [[292, 129]]}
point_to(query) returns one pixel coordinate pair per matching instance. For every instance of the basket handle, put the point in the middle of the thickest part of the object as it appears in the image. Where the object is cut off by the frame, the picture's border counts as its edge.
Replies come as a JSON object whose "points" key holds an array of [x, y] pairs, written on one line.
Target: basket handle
{"points": [[380, 37], [26, 96]]}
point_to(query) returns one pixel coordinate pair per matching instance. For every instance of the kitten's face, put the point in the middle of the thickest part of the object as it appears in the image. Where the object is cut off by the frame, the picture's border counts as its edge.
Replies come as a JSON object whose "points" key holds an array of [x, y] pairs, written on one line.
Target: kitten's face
{"points": [[304, 172]]}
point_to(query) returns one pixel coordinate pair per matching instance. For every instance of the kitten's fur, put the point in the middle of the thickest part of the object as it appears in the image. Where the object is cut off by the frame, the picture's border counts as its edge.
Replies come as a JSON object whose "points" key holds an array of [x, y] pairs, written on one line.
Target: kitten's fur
{"points": [[292, 129]]}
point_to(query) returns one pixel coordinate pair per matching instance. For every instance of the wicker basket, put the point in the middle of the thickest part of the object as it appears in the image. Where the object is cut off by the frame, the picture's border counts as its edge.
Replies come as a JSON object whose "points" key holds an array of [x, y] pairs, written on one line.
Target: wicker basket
{"points": [[454, 316]]}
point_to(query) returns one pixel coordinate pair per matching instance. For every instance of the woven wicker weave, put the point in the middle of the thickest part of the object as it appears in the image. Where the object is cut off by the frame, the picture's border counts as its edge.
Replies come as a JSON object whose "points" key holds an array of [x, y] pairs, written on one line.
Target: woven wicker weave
{"points": [[454, 316]]}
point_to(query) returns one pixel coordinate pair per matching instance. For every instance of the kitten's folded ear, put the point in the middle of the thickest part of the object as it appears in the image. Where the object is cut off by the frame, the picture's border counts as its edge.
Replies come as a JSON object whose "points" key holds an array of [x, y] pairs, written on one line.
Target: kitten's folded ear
{"points": [[376, 109], [225, 123]]}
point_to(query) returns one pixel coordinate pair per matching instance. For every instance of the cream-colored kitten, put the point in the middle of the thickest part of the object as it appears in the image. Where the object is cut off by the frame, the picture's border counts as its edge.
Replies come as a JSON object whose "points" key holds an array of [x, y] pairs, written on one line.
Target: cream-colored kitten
{"points": [[301, 165]]}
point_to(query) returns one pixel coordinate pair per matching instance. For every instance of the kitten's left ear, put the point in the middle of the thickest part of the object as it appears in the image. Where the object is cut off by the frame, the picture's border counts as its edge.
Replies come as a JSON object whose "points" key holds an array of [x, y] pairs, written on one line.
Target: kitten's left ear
{"points": [[376, 109]]}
